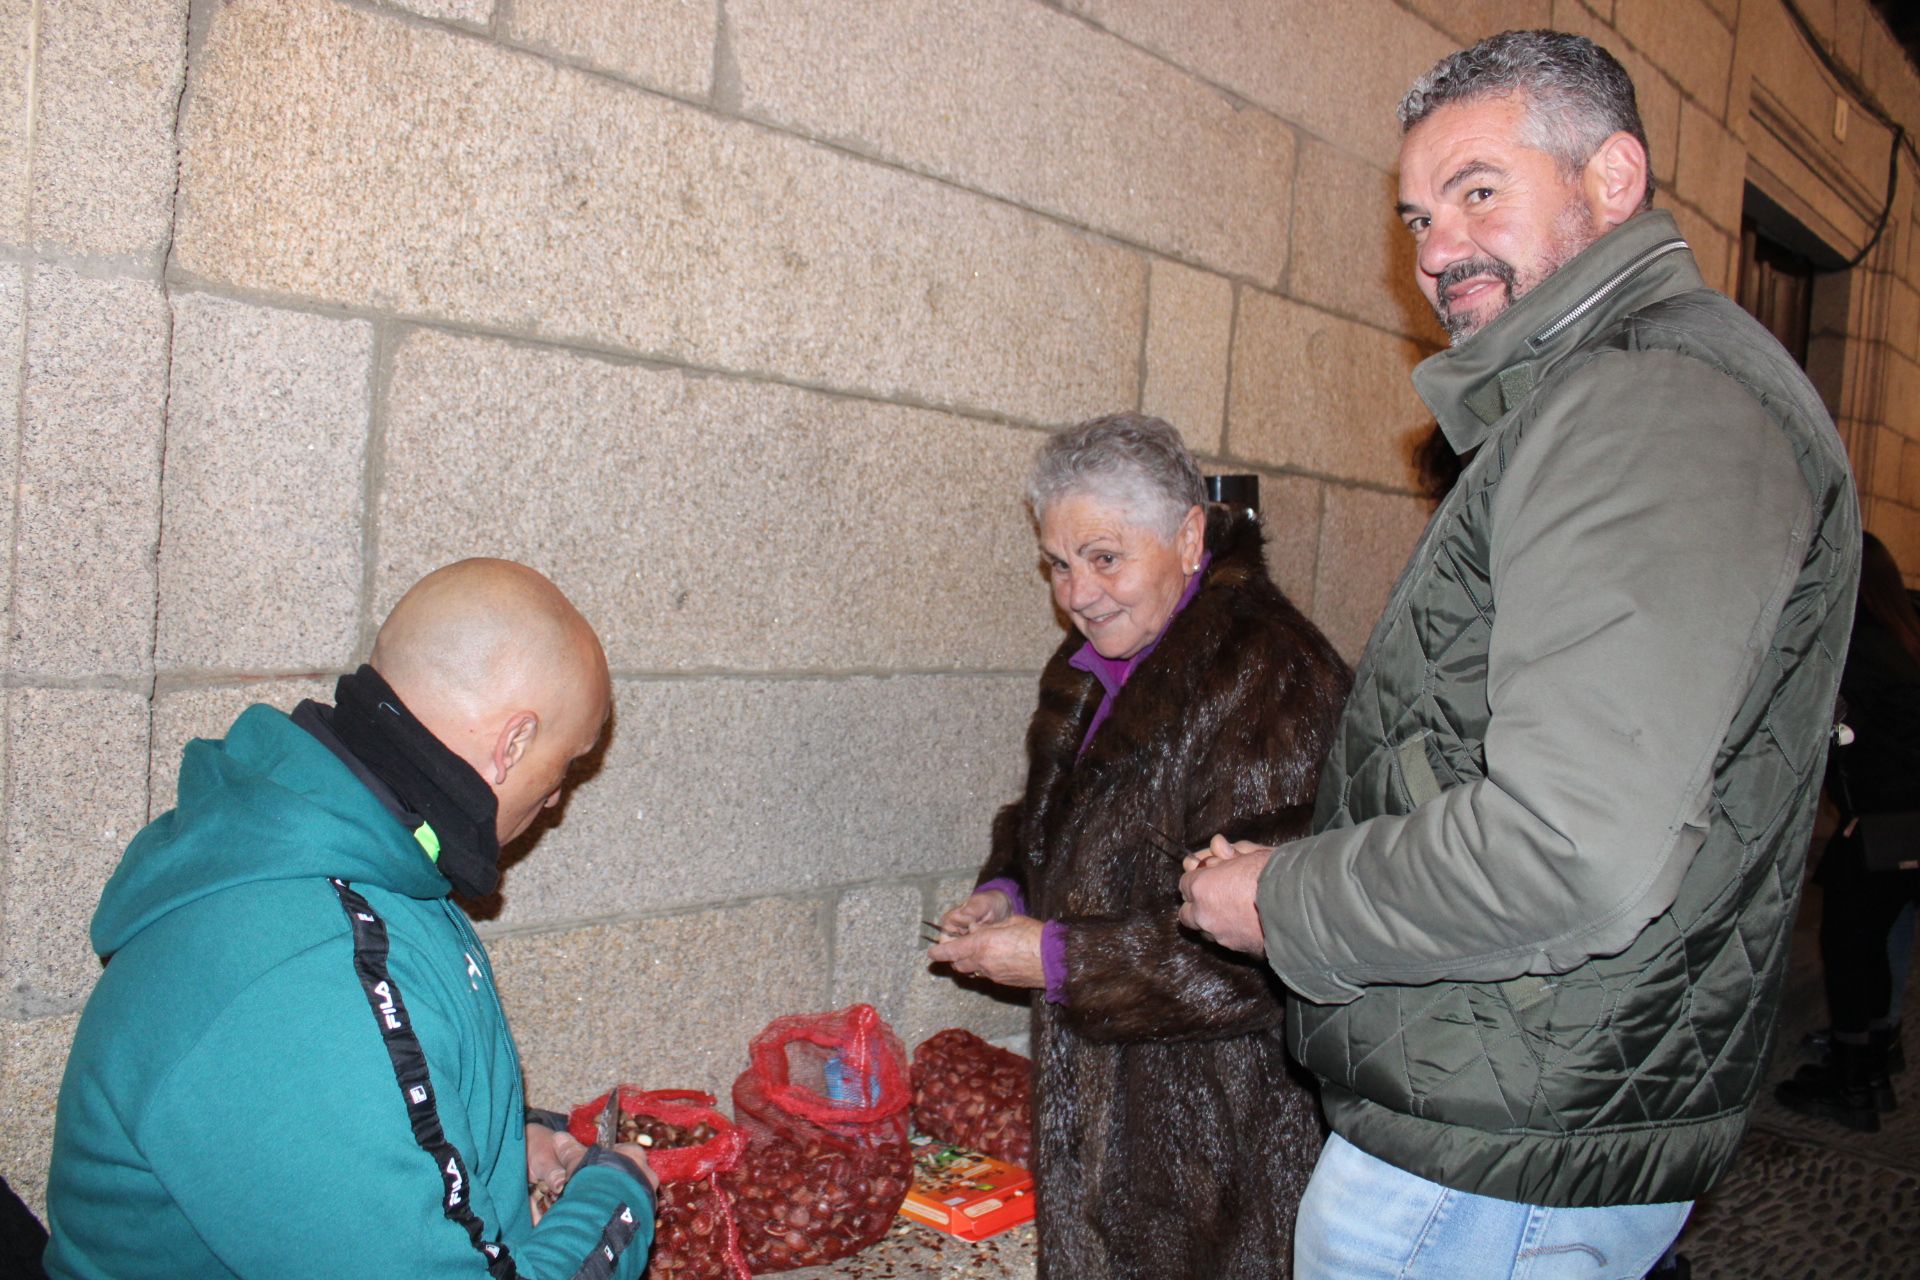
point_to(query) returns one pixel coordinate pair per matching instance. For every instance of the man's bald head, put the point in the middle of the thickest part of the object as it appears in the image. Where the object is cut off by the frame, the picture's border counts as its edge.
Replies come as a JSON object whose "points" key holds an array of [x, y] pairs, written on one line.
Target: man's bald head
{"points": [[500, 667]]}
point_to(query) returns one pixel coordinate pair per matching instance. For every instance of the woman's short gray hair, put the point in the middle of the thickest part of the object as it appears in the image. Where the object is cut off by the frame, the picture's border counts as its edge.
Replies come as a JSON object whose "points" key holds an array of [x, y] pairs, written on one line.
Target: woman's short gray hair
{"points": [[1577, 94], [1129, 461]]}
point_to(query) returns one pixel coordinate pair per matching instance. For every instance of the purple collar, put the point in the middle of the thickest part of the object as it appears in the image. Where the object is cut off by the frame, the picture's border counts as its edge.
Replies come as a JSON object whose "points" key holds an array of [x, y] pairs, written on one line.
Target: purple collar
{"points": [[1113, 673]]}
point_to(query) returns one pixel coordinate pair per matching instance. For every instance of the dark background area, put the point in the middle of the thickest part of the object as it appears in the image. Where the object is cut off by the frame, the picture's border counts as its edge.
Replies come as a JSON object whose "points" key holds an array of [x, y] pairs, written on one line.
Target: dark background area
{"points": [[1903, 19]]}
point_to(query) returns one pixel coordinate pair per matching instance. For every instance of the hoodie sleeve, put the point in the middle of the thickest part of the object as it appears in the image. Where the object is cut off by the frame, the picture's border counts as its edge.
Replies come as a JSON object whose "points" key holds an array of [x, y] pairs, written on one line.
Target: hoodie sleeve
{"points": [[284, 1138]]}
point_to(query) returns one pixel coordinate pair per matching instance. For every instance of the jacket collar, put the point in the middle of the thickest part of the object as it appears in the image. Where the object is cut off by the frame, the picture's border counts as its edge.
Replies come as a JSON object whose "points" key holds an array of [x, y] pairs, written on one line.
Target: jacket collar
{"points": [[1472, 386]]}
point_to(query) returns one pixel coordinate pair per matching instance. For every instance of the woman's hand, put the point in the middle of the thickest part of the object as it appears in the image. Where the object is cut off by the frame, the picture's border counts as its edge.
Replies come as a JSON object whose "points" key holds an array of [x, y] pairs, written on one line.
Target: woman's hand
{"points": [[991, 907], [1006, 951]]}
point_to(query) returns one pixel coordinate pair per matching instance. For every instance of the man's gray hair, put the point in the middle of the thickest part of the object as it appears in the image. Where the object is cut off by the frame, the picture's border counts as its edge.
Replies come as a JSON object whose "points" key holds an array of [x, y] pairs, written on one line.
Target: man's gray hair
{"points": [[1128, 461], [1577, 94]]}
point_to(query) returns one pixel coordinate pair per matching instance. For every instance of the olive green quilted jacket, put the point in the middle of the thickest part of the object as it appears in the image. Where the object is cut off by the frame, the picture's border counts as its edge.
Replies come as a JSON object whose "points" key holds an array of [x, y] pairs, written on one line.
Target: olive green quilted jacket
{"points": [[1541, 930]]}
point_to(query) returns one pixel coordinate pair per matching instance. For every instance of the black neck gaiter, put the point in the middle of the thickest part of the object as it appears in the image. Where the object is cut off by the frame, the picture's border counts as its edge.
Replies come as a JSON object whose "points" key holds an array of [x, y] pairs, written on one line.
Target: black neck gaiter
{"points": [[372, 722]]}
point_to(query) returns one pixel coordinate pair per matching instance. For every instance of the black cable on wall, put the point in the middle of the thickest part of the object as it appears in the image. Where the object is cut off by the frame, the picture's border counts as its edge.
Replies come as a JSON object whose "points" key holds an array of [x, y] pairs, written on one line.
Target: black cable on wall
{"points": [[1851, 85]]}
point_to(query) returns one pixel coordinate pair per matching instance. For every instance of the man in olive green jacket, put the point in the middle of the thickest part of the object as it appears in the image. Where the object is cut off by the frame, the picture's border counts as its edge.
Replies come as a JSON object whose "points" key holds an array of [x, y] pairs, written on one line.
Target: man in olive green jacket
{"points": [[1540, 932]]}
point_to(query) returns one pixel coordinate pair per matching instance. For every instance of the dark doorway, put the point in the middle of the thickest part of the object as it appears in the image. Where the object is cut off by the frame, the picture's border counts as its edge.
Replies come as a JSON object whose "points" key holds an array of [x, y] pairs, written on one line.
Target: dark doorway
{"points": [[1776, 287], [1799, 287]]}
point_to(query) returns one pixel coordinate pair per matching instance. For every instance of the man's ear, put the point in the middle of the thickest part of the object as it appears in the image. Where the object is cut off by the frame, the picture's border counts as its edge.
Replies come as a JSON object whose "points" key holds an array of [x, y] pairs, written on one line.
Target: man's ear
{"points": [[1615, 180], [510, 745]]}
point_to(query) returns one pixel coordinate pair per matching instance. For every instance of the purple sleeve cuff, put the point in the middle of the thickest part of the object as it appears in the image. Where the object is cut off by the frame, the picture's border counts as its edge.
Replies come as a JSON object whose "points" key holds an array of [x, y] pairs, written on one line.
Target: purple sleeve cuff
{"points": [[1012, 890], [1053, 960]]}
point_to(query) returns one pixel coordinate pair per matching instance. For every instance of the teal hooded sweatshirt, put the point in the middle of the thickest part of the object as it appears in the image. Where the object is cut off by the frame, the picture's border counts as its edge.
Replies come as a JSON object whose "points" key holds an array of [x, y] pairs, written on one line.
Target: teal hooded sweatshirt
{"points": [[230, 1106]]}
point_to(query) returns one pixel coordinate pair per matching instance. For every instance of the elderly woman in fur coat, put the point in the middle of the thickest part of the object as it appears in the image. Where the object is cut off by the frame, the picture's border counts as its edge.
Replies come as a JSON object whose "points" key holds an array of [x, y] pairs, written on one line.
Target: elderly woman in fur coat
{"points": [[1171, 1137]]}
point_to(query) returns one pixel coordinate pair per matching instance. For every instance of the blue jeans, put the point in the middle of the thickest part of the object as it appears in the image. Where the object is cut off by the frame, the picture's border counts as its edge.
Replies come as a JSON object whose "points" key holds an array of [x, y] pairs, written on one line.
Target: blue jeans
{"points": [[1363, 1219]]}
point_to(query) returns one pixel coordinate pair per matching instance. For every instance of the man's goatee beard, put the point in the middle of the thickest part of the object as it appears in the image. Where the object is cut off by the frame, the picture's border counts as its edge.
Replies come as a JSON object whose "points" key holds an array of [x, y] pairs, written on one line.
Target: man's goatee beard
{"points": [[1460, 327]]}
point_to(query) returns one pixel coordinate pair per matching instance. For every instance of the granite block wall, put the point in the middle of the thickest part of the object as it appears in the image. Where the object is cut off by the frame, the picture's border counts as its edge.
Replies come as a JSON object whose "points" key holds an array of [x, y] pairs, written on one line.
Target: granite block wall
{"points": [[740, 319]]}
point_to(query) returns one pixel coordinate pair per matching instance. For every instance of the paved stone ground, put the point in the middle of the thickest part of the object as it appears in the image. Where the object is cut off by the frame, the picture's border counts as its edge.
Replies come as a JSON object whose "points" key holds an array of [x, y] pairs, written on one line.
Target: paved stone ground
{"points": [[913, 1252]]}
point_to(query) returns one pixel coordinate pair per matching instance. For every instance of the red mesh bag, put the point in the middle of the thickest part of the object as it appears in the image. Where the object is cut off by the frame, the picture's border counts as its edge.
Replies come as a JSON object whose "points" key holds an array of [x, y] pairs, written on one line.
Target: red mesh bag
{"points": [[824, 1105], [969, 1093], [690, 1146]]}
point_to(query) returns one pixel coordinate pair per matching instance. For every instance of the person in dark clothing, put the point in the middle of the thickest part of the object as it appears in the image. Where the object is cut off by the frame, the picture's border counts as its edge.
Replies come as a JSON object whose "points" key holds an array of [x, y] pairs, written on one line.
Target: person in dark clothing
{"points": [[1171, 1141], [1877, 773]]}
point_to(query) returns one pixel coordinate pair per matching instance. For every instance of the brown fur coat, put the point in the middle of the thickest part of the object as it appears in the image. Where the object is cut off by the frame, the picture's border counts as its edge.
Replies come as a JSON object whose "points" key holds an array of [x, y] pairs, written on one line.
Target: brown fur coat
{"points": [[1172, 1138]]}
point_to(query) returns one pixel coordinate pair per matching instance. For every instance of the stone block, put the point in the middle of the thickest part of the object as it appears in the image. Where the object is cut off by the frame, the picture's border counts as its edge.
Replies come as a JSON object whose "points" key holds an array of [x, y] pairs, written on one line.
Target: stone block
{"points": [[1865, 154], [1850, 23], [1338, 71], [1890, 75], [1892, 258], [1772, 53], [663, 44], [1317, 393], [1898, 526], [1365, 538], [1900, 408], [1713, 248], [33, 1058], [1686, 39], [266, 447], [1739, 112], [470, 13], [665, 1003], [1910, 481], [1835, 300], [496, 189], [877, 945], [1468, 21], [77, 780], [717, 789], [106, 88], [1728, 11], [89, 475], [1290, 508], [16, 74], [1189, 332], [13, 304], [207, 711], [1653, 90], [1819, 15], [1827, 369], [1888, 451], [730, 523], [879, 959], [1713, 169], [1027, 103], [1897, 467], [1659, 101], [1352, 254]]}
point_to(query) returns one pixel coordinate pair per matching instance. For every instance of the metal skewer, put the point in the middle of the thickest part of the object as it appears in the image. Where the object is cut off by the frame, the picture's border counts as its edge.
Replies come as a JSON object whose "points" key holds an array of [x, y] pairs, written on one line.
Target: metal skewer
{"points": [[1166, 844]]}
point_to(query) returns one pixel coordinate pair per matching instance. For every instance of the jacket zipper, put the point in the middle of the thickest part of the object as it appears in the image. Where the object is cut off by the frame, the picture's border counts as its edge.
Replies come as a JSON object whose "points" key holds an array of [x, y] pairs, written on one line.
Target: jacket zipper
{"points": [[1606, 287], [476, 955]]}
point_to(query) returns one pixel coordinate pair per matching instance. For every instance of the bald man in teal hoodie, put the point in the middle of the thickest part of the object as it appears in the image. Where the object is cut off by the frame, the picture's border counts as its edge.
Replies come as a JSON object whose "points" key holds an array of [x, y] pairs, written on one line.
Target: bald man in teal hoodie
{"points": [[296, 1064]]}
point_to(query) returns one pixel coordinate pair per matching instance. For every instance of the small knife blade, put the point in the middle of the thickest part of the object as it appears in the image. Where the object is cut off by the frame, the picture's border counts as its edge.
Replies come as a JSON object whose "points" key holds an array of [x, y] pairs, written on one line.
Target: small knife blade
{"points": [[608, 1130]]}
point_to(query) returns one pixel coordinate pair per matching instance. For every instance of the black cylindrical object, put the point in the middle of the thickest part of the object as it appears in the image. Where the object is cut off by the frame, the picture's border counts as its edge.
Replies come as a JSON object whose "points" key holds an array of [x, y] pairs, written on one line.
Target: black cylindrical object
{"points": [[1241, 491]]}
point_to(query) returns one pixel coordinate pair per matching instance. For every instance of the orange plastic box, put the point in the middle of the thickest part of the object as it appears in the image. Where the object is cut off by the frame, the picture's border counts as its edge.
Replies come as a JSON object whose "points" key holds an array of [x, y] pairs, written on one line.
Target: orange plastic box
{"points": [[964, 1193]]}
